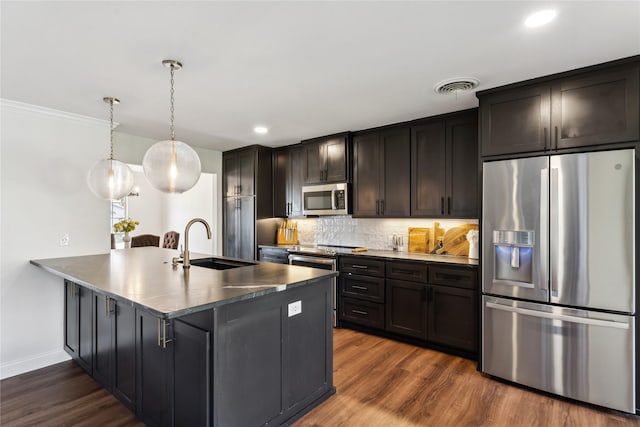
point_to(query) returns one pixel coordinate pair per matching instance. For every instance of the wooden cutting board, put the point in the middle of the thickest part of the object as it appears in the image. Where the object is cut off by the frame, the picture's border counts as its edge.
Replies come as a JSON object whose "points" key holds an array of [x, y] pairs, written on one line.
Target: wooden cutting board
{"points": [[418, 239], [455, 240]]}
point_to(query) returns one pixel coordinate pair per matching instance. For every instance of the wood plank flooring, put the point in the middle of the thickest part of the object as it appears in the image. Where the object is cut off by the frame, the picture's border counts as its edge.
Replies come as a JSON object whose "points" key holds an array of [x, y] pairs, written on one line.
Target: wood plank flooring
{"points": [[380, 383]]}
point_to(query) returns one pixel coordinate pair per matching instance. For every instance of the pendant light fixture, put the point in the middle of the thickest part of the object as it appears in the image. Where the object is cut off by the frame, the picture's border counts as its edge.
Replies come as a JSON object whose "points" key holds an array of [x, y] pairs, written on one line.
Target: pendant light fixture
{"points": [[110, 178], [171, 166]]}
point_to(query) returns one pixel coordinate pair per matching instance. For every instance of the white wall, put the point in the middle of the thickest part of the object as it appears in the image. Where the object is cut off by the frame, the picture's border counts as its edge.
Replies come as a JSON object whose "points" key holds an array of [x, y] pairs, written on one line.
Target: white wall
{"points": [[45, 157], [131, 149], [159, 212]]}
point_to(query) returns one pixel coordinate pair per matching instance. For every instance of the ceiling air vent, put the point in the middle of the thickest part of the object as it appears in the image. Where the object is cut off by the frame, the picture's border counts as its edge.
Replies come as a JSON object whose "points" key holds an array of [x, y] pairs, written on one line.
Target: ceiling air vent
{"points": [[456, 85]]}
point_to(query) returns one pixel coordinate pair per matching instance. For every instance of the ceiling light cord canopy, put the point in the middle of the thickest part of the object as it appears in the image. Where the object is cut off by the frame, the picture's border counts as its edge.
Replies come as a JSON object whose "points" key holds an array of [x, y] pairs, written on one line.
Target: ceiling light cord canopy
{"points": [[110, 179], [171, 166]]}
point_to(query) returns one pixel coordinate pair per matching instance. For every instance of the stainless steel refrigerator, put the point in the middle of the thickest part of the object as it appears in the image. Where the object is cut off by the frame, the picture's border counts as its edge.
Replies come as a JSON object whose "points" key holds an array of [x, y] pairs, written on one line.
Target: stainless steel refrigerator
{"points": [[559, 277]]}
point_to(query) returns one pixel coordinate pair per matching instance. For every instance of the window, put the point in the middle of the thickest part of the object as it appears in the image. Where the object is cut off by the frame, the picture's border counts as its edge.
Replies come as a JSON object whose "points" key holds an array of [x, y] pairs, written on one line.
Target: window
{"points": [[119, 211]]}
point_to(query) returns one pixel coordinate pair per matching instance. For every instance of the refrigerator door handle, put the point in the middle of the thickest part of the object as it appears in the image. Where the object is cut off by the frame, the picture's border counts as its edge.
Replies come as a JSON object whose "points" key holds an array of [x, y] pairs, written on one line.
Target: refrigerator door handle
{"points": [[555, 232], [563, 317], [543, 239]]}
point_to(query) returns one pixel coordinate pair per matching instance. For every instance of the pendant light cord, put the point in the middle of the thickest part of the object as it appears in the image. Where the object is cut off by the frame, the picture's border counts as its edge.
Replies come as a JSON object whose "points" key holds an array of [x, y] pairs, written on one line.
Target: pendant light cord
{"points": [[111, 128], [173, 135]]}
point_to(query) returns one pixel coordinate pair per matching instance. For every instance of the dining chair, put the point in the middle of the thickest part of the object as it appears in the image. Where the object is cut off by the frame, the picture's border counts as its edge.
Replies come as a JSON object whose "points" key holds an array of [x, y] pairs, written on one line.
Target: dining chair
{"points": [[145, 240], [171, 239]]}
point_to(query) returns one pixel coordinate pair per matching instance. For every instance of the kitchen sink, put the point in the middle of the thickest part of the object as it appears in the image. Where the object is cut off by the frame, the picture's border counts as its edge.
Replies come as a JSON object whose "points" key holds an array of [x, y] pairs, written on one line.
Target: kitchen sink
{"points": [[219, 263]]}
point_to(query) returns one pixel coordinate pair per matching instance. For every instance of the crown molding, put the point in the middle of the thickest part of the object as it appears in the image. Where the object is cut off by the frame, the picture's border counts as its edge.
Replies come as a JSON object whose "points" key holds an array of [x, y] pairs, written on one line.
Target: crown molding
{"points": [[50, 112]]}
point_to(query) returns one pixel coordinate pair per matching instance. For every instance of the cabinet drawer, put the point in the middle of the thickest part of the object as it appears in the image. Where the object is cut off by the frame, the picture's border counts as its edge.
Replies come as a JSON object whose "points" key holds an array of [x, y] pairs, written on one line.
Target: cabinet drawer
{"points": [[453, 276], [363, 287], [412, 271], [362, 265], [362, 312]]}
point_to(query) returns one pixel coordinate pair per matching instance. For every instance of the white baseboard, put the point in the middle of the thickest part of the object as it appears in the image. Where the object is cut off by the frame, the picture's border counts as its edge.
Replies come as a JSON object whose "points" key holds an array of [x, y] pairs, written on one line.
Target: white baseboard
{"points": [[18, 367]]}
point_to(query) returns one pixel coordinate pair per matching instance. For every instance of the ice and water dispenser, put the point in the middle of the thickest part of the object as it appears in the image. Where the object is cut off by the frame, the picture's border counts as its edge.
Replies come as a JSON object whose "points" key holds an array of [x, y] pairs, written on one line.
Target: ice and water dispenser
{"points": [[513, 257]]}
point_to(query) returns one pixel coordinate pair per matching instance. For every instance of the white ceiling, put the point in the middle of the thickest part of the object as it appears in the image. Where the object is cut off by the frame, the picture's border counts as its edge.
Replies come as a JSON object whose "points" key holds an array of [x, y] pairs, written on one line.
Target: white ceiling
{"points": [[303, 69]]}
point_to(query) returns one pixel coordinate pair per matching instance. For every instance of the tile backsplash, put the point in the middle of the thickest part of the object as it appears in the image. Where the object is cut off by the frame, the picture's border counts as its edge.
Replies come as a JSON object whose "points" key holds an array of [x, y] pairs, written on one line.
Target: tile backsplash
{"points": [[372, 233]]}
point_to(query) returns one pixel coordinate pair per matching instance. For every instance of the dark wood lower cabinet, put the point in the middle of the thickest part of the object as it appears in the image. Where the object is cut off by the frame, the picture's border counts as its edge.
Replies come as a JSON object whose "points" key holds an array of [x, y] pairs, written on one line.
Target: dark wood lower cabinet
{"points": [[114, 352], [433, 304], [77, 324], [452, 317], [407, 308], [154, 361], [270, 367], [192, 375]]}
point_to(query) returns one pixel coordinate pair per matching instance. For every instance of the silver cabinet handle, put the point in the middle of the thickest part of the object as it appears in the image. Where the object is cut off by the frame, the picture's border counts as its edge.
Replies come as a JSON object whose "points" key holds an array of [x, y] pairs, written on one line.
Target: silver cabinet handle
{"points": [[360, 267], [162, 333], [563, 317], [363, 288], [364, 313]]}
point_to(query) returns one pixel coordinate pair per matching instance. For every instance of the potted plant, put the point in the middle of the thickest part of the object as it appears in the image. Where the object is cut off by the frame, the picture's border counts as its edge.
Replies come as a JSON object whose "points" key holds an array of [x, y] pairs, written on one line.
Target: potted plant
{"points": [[126, 225]]}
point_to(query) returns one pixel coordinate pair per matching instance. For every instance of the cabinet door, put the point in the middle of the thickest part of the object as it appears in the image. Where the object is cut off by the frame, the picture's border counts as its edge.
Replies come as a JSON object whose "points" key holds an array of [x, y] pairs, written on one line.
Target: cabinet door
{"points": [[396, 178], [239, 228], [154, 364], [231, 174], [231, 242], [335, 159], [462, 167], [124, 353], [428, 169], [281, 191], [247, 171], [248, 363], [71, 320], [192, 373], [596, 108], [313, 165], [453, 317], [247, 232], [406, 308], [515, 121], [366, 175], [296, 179], [103, 308], [85, 323], [78, 324]]}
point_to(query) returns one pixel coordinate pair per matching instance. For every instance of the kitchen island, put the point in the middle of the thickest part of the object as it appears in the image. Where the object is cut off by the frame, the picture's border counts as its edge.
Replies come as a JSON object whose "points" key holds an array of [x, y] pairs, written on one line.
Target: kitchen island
{"points": [[250, 345]]}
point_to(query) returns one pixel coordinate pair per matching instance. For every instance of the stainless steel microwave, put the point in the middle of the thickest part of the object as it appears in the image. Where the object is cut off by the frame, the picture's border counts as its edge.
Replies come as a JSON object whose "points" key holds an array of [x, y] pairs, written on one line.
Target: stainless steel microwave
{"points": [[326, 199]]}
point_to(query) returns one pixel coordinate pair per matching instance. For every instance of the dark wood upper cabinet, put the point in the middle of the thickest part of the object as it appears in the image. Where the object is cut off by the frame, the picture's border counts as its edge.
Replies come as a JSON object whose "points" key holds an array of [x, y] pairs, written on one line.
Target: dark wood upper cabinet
{"points": [[598, 108], [381, 177], [581, 108], [444, 165], [288, 177], [247, 177], [326, 159]]}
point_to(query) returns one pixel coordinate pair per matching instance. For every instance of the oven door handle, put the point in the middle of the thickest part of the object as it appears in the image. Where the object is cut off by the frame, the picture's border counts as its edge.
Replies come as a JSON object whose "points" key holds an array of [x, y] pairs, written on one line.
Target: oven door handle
{"points": [[317, 260]]}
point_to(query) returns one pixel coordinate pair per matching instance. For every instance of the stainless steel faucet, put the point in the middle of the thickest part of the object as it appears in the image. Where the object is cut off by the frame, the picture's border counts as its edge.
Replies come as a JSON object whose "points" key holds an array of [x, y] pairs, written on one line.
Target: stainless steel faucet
{"points": [[186, 263]]}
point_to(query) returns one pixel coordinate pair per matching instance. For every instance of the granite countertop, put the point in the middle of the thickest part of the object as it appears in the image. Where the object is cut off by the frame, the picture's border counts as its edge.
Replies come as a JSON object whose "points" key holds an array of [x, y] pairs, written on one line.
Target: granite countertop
{"points": [[146, 277], [397, 255]]}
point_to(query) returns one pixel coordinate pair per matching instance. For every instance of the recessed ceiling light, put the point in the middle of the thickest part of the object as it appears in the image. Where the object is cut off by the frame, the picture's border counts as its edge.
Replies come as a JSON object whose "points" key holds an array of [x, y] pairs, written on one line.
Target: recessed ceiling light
{"points": [[261, 130], [540, 18]]}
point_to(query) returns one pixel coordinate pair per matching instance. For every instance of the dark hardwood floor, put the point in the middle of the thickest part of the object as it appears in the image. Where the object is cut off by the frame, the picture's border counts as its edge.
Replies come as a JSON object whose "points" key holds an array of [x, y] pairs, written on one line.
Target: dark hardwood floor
{"points": [[380, 383]]}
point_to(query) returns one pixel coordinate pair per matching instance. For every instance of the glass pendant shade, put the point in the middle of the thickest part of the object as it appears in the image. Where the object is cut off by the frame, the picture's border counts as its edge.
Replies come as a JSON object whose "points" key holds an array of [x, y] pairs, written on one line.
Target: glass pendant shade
{"points": [[110, 179], [171, 166]]}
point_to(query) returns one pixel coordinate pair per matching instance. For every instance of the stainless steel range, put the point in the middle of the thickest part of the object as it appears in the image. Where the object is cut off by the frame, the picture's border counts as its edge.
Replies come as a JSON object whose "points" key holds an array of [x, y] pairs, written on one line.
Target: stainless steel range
{"points": [[324, 257]]}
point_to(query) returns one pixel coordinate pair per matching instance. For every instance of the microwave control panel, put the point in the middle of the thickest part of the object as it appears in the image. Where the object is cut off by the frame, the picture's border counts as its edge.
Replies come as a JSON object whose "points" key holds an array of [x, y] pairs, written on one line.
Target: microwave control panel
{"points": [[340, 199]]}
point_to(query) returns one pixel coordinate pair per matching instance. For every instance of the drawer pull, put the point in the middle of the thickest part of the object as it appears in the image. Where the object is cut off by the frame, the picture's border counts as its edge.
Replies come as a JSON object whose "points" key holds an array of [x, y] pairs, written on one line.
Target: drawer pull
{"points": [[401, 271], [361, 267], [363, 288], [364, 313]]}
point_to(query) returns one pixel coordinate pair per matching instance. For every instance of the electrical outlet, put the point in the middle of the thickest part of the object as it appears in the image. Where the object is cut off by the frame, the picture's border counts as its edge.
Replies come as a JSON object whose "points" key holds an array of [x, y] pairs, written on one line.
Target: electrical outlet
{"points": [[64, 240], [295, 308]]}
